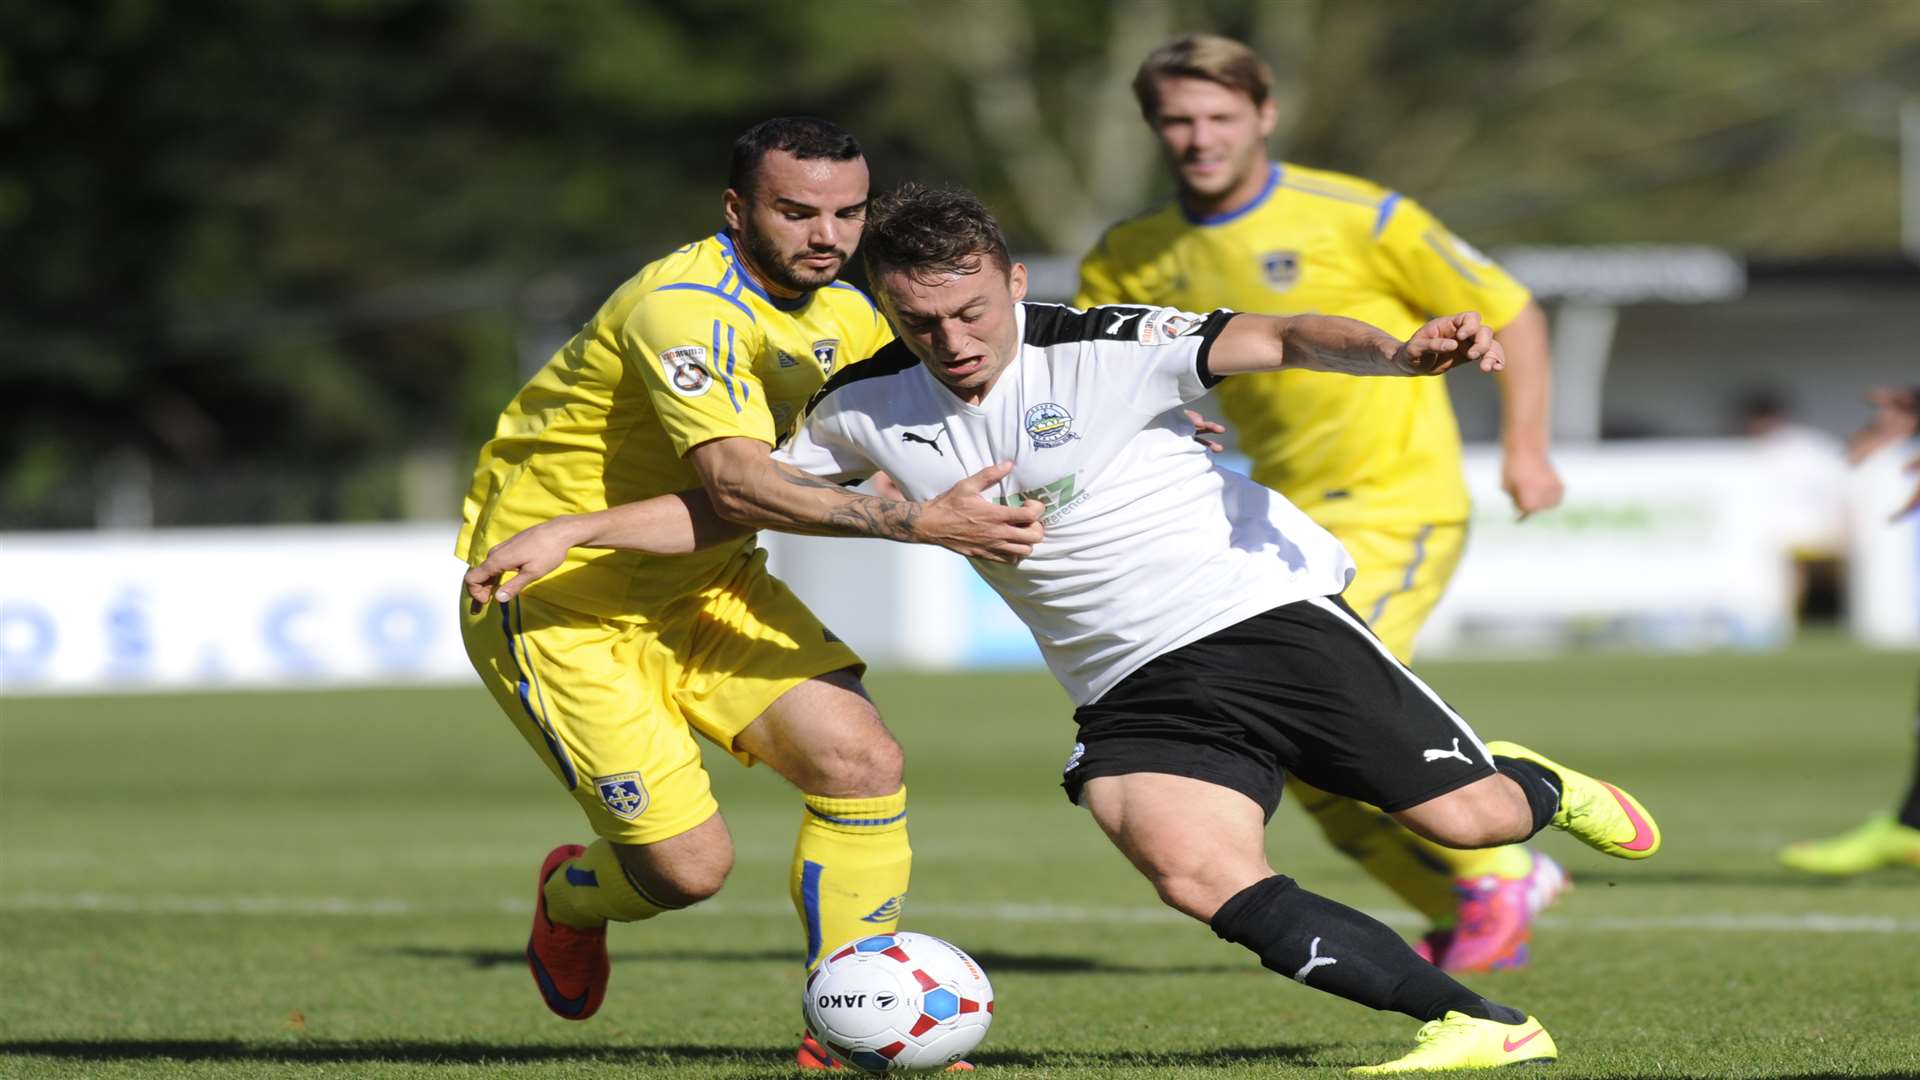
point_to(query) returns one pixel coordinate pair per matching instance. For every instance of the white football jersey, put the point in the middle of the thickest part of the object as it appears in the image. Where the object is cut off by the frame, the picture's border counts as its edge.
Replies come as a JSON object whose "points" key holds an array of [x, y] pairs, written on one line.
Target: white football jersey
{"points": [[1148, 545]]}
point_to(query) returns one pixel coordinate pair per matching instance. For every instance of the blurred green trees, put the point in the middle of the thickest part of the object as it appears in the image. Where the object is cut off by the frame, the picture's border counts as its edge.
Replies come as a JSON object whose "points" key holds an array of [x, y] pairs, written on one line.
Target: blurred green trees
{"points": [[269, 254]]}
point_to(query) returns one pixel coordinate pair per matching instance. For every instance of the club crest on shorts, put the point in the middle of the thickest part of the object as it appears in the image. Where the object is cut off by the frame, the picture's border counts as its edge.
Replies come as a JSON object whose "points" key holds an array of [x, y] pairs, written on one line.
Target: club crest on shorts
{"points": [[625, 794], [1281, 269], [686, 369], [824, 350], [1049, 425]]}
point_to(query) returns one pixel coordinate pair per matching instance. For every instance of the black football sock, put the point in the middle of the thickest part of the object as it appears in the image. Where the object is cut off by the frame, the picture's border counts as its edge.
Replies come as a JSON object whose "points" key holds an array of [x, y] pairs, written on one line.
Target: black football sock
{"points": [[1538, 783], [1910, 812], [1328, 946]]}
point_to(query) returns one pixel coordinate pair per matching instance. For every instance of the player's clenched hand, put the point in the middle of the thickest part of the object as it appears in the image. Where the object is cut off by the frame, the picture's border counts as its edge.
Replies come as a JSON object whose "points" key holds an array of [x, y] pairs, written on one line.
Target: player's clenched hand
{"points": [[529, 555], [1447, 341], [962, 520], [1531, 481]]}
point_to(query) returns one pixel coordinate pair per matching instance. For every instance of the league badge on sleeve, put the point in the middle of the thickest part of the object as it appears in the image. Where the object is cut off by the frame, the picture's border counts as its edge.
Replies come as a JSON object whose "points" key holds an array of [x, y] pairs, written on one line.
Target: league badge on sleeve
{"points": [[1163, 325], [625, 794], [686, 370]]}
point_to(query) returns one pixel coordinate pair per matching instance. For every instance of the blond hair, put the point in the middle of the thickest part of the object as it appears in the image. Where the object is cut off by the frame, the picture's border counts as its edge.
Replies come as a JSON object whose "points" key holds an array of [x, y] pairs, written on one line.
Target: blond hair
{"points": [[1202, 56]]}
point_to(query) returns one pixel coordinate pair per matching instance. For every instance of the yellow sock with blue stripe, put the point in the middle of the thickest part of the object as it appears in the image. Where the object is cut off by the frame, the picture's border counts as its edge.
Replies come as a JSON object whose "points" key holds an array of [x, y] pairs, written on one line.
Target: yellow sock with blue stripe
{"points": [[592, 889], [850, 867]]}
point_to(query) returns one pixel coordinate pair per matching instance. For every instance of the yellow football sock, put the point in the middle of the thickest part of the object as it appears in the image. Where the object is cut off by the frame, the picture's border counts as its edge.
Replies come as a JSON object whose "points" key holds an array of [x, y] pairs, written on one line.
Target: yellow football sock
{"points": [[1417, 870], [592, 888], [850, 869]]}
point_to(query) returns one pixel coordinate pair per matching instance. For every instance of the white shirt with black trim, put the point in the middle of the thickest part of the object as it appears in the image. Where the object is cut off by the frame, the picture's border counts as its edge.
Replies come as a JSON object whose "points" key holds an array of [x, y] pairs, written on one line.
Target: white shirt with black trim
{"points": [[1148, 545]]}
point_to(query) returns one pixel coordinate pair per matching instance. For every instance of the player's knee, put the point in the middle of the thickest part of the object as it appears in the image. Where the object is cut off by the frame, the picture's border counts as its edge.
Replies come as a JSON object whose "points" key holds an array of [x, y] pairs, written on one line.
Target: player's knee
{"points": [[866, 765], [1194, 894], [683, 875]]}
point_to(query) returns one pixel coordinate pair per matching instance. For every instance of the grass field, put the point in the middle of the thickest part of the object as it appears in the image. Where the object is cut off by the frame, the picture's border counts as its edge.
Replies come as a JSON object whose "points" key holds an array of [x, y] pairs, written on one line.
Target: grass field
{"points": [[337, 884]]}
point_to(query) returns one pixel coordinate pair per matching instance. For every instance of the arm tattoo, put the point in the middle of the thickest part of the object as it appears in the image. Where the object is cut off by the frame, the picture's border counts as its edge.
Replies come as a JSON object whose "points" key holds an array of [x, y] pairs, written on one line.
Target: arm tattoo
{"points": [[859, 515], [1347, 362]]}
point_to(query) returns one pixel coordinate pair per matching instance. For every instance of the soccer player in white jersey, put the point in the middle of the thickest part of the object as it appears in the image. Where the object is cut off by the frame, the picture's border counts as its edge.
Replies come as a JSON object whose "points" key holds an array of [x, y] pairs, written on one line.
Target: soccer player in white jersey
{"points": [[1193, 615]]}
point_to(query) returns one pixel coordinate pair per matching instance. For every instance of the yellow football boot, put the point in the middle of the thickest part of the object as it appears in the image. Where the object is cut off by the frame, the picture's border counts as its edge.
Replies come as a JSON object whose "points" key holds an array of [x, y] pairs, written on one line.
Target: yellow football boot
{"points": [[1597, 814], [1882, 841], [1459, 1041]]}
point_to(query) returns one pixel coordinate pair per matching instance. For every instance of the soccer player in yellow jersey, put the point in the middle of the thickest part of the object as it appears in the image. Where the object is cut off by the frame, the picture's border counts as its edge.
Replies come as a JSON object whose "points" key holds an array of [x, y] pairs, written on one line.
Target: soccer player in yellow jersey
{"points": [[610, 661], [1375, 461]]}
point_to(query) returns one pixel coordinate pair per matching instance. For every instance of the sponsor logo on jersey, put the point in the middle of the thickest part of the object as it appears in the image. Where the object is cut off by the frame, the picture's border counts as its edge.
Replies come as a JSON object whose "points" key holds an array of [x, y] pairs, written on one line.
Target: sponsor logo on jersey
{"points": [[784, 358], [931, 441], [823, 351], [686, 369], [1118, 326], [1281, 269], [1049, 425], [625, 794]]}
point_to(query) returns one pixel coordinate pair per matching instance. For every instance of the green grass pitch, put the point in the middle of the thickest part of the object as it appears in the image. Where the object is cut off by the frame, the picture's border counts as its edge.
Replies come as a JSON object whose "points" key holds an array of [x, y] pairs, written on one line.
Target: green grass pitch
{"points": [[336, 885]]}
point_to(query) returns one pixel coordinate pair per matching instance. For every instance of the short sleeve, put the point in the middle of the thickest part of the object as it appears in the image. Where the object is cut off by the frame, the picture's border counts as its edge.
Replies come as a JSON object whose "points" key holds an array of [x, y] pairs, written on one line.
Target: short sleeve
{"points": [[1440, 272], [820, 446], [695, 357], [1155, 356]]}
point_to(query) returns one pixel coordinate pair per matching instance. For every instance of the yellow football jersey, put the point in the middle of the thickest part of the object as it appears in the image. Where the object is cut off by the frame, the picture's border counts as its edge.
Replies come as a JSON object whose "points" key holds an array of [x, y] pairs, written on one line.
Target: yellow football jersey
{"points": [[1348, 451], [688, 350]]}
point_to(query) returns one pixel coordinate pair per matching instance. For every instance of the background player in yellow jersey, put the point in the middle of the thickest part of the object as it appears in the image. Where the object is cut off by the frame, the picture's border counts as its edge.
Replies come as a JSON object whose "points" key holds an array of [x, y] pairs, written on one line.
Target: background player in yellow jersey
{"points": [[609, 661], [1375, 461]]}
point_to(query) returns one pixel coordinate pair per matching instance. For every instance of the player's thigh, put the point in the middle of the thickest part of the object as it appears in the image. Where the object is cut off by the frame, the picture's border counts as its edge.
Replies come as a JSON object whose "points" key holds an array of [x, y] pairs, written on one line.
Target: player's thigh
{"points": [[1310, 680], [1403, 571], [826, 738], [766, 680], [1197, 841], [592, 697]]}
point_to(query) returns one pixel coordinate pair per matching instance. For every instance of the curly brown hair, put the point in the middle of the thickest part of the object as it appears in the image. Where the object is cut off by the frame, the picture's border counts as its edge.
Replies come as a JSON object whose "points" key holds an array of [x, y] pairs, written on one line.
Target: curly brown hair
{"points": [[931, 232]]}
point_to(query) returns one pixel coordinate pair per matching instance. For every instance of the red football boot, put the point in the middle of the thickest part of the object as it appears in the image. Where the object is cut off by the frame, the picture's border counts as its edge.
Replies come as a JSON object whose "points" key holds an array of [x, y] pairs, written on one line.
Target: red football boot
{"points": [[569, 966]]}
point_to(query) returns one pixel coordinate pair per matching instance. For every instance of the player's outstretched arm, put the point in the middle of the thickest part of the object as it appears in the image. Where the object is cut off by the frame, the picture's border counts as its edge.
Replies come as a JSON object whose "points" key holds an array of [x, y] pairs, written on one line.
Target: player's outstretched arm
{"points": [[750, 488], [1330, 343], [668, 525]]}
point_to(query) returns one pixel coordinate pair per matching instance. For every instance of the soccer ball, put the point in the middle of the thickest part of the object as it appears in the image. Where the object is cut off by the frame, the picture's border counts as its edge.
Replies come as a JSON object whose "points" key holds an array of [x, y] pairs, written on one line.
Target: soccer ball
{"points": [[898, 1002]]}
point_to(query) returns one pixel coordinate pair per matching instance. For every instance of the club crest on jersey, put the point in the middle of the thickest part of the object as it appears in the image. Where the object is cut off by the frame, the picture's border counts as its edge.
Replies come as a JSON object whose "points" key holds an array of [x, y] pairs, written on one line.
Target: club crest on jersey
{"points": [[1281, 269], [1049, 425], [823, 352], [686, 369], [625, 794]]}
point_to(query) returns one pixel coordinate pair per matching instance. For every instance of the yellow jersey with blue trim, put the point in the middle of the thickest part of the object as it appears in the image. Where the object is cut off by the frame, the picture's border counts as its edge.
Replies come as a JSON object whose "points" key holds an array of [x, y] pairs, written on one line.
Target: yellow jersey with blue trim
{"points": [[688, 350], [1348, 451]]}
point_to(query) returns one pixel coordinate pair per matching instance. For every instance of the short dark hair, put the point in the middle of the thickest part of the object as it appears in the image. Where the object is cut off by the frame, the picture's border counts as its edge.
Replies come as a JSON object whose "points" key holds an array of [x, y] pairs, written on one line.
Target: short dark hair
{"points": [[805, 137], [929, 232]]}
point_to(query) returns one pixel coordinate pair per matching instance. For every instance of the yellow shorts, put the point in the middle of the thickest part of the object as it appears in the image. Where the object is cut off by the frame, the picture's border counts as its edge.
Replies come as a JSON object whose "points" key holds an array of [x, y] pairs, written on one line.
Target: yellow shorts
{"points": [[611, 705], [1404, 570]]}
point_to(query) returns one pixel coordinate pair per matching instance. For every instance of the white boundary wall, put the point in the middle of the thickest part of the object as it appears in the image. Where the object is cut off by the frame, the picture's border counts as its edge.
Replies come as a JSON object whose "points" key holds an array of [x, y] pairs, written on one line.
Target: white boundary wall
{"points": [[1661, 545]]}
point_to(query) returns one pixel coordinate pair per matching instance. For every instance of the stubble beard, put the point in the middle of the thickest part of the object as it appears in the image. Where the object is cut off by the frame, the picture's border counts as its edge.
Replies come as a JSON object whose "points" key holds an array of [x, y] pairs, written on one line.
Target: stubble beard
{"points": [[777, 268]]}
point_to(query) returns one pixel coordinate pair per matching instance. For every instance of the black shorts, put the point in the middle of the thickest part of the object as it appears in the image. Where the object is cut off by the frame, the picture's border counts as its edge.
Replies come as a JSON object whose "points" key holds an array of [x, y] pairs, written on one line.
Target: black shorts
{"points": [[1303, 687]]}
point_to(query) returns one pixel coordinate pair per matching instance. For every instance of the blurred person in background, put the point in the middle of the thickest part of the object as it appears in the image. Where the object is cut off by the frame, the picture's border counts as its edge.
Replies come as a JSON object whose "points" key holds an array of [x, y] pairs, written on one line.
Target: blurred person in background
{"points": [[1808, 471], [1885, 839], [608, 662], [1375, 461]]}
